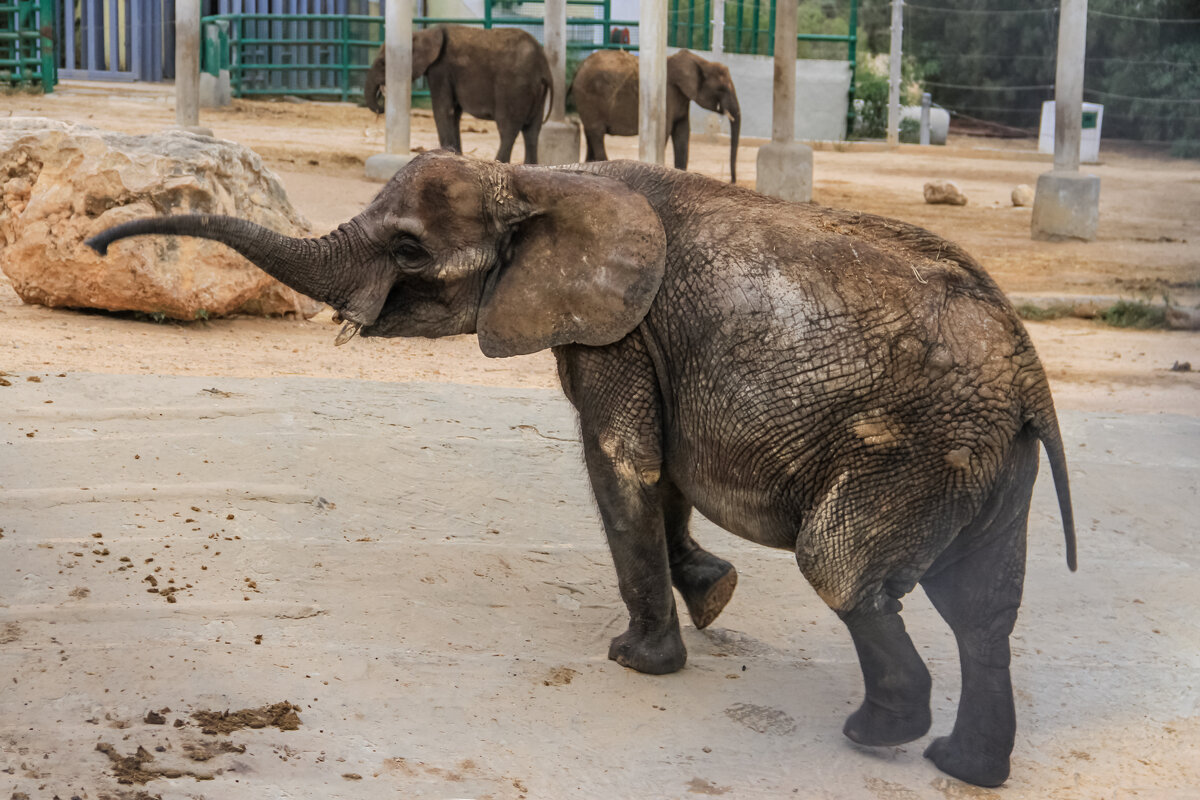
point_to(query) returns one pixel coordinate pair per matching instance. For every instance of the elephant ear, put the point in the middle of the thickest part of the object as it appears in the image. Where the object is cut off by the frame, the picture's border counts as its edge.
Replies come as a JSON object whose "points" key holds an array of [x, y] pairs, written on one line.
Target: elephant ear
{"points": [[585, 260], [426, 47], [687, 73]]}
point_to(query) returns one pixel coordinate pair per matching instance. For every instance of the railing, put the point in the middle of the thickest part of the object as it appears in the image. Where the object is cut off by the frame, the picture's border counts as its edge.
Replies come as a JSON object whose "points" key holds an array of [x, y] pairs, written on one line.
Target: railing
{"points": [[26, 52]]}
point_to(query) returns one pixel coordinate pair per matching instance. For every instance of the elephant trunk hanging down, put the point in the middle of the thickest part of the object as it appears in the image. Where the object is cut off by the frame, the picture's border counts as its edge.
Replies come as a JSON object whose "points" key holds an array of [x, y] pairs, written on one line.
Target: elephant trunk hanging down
{"points": [[847, 387], [605, 89]]}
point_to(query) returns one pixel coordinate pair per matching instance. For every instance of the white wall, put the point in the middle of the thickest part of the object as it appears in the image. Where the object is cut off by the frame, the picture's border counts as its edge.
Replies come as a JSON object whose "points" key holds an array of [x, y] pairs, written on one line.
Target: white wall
{"points": [[822, 92]]}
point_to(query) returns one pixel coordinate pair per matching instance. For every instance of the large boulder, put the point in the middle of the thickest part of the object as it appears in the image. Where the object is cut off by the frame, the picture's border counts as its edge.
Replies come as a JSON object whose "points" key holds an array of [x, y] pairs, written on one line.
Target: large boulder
{"points": [[61, 183]]}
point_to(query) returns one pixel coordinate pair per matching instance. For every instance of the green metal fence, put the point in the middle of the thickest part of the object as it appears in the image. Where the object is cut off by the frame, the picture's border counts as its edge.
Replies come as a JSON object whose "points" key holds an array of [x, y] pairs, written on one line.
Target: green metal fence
{"points": [[27, 44]]}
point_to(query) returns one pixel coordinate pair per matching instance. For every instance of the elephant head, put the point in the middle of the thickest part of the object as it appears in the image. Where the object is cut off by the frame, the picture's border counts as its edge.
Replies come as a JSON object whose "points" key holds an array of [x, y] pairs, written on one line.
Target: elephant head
{"points": [[710, 86], [524, 256], [427, 46]]}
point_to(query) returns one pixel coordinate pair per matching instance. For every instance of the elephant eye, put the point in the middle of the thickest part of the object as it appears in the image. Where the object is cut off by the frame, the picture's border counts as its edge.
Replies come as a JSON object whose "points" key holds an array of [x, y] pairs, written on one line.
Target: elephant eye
{"points": [[408, 250]]}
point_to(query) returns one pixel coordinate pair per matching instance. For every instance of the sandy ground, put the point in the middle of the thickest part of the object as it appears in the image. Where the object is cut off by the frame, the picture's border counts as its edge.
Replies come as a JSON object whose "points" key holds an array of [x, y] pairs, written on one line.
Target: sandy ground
{"points": [[398, 538]]}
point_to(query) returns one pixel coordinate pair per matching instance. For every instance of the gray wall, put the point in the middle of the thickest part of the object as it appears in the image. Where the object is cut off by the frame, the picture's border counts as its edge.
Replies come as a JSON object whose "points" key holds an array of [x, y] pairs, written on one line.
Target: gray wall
{"points": [[822, 91]]}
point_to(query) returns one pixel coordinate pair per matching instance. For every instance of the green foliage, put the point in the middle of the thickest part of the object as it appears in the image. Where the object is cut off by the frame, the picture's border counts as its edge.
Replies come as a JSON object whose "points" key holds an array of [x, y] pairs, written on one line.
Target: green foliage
{"points": [[871, 99], [910, 131], [1036, 313], [1134, 314]]}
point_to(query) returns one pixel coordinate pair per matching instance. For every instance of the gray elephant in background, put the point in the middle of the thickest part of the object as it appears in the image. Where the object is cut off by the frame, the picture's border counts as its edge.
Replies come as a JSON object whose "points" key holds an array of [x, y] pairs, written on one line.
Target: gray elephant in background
{"points": [[499, 74], [605, 89], [850, 388]]}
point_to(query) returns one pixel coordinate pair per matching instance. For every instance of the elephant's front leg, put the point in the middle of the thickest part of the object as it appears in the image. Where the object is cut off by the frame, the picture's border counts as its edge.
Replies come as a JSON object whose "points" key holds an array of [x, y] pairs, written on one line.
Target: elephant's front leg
{"points": [[615, 390], [631, 509]]}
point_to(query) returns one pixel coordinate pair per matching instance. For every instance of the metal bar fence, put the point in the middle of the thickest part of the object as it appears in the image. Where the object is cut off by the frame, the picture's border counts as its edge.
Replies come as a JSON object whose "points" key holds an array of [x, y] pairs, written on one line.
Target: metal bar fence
{"points": [[26, 50]]}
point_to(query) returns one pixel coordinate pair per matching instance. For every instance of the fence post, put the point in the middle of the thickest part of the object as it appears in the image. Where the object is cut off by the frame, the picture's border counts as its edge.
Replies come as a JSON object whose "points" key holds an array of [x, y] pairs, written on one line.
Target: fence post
{"points": [[1067, 204], [785, 166], [895, 57], [187, 67], [398, 31], [559, 139], [718, 29], [652, 72]]}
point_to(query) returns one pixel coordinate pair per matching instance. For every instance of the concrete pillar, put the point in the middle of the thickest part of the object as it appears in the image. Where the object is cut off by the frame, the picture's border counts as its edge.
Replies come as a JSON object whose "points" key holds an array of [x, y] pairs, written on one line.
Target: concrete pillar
{"points": [[652, 72], [397, 44], [559, 139], [785, 166], [718, 31], [895, 59], [1067, 204], [187, 67]]}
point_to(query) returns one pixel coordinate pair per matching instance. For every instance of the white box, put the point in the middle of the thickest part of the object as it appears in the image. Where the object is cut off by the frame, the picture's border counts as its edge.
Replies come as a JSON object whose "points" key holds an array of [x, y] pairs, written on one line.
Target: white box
{"points": [[1089, 136]]}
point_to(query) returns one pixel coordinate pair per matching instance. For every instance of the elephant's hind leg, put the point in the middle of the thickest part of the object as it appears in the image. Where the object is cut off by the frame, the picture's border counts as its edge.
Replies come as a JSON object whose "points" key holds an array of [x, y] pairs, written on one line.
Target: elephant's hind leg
{"points": [[850, 556], [705, 581], [976, 586]]}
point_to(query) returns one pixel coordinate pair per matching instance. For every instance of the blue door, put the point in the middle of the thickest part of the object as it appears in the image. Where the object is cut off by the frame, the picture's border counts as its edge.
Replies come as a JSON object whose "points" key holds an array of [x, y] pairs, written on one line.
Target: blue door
{"points": [[116, 40]]}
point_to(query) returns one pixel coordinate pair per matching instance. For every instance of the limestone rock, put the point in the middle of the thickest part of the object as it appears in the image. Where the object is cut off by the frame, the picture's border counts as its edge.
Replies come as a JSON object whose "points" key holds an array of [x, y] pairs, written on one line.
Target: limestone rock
{"points": [[946, 192], [1022, 195], [61, 183]]}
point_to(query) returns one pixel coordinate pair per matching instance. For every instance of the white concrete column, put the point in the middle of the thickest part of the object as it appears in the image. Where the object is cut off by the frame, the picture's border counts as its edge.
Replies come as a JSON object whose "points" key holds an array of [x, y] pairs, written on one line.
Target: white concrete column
{"points": [[1067, 203], [895, 58], [652, 71], [556, 53], [558, 142], [783, 104], [397, 46], [785, 166], [718, 31], [187, 66], [1068, 83]]}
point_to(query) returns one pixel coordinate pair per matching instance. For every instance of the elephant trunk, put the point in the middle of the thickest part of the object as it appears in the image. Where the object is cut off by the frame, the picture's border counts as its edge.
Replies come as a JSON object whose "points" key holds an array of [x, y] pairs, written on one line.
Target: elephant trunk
{"points": [[313, 267], [373, 88], [735, 130]]}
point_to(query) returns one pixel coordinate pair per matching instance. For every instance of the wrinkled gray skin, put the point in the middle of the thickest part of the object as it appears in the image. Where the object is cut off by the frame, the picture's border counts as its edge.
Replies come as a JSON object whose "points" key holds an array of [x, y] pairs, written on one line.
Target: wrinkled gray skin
{"points": [[847, 387], [500, 74], [605, 89]]}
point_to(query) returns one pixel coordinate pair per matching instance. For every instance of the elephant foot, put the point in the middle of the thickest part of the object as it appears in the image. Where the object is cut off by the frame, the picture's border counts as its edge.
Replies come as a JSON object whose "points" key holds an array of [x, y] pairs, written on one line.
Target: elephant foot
{"points": [[980, 768], [653, 655], [877, 726], [706, 583]]}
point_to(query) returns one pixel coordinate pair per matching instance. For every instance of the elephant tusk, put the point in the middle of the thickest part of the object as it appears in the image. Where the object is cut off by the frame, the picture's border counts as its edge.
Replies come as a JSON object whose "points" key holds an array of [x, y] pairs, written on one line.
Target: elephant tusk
{"points": [[348, 332]]}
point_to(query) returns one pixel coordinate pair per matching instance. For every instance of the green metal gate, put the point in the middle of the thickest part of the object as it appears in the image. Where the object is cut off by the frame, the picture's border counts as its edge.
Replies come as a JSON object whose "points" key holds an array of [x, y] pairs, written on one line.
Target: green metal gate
{"points": [[27, 44]]}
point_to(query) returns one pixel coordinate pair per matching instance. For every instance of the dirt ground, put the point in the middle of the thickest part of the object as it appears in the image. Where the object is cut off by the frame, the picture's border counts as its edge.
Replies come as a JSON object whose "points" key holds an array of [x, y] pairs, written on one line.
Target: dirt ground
{"points": [[204, 517], [1148, 249]]}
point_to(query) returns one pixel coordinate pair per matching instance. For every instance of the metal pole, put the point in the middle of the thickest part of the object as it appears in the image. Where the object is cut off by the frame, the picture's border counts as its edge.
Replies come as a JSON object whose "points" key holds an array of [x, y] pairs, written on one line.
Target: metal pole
{"points": [[187, 63], [652, 70], [398, 30], [783, 121], [894, 58], [556, 54], [1068, 84]]}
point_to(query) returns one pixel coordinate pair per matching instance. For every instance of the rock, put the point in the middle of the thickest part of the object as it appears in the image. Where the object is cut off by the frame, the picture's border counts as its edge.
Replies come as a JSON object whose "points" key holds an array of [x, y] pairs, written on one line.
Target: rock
{"points": [[1022, 195], [61, 183], [946, 192]]}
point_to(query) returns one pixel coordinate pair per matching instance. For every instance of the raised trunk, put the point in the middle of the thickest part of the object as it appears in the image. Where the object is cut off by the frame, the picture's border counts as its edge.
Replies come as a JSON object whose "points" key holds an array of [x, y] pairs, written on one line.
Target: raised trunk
{"points": [[313, 267]]}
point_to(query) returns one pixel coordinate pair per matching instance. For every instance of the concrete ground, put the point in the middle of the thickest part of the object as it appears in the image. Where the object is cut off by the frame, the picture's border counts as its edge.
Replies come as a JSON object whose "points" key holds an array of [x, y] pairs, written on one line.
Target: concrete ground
{"points": [[419, 569]]}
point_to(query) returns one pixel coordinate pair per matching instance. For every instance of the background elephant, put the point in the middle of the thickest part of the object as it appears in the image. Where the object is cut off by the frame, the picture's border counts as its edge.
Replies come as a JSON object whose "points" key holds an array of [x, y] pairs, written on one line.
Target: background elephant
{"points": [[499, 74], [605, 89], [850, 388]]}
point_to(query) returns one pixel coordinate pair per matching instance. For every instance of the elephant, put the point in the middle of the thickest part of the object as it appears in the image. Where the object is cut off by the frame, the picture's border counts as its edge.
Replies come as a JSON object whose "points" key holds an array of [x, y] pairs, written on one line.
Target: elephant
{"points": [[605, 89], [850, 388], [497, 74]]}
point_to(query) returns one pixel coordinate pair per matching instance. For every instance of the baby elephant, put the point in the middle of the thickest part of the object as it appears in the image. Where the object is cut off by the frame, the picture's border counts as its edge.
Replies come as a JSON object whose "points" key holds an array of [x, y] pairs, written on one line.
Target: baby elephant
{"points": [[499, 74], [850, 388], [605, 89]]}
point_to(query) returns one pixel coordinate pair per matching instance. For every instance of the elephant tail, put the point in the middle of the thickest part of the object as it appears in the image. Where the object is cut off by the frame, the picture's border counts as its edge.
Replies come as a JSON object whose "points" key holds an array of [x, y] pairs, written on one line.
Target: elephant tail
{"points": [[549, 109], [1044, 422]]}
